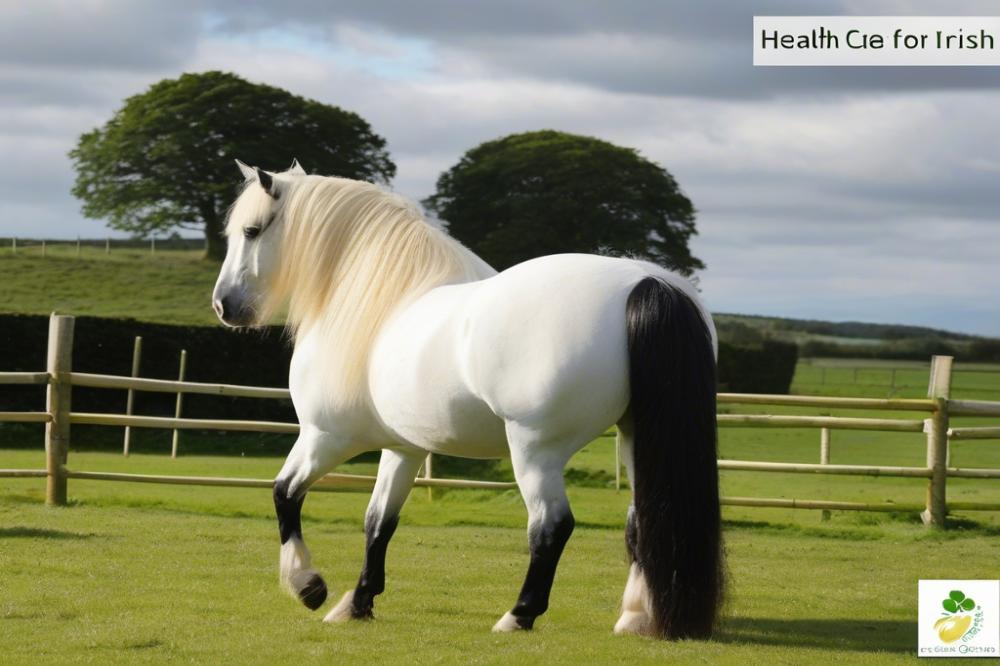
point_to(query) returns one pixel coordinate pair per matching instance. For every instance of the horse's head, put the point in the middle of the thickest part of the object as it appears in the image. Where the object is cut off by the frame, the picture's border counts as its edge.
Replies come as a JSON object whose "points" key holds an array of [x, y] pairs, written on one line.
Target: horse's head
{"points": [[254, 235]]}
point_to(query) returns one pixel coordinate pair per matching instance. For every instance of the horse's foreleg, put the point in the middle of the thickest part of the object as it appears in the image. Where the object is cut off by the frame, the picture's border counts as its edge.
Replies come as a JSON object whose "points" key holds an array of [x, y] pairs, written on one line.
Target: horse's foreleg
{"points": [[314, 454], [396, 473], [539, 474]]}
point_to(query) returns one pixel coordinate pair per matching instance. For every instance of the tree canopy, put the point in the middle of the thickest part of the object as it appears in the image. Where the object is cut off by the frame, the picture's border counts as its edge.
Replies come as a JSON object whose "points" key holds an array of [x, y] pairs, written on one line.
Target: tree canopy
{"points": [[165, 159], [546, 192]]}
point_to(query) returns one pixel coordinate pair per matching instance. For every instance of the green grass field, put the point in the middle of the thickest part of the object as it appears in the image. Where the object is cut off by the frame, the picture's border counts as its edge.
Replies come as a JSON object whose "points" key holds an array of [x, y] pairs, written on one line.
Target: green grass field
{"points": [[136, 572], [877, 378], [148, 573], [153, 573]]}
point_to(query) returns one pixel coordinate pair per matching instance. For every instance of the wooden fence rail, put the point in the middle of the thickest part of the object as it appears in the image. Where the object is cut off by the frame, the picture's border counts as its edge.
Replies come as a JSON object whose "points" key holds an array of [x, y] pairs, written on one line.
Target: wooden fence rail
{"points": [[170, 423], [838, 422], [985, 432], [173, 386], [894, 404], [24, 378], [59, 416]]}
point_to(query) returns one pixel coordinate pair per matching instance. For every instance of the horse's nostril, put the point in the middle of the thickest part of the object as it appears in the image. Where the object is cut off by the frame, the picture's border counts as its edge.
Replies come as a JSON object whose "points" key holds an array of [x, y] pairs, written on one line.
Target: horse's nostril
{"points": [[217, 306]]}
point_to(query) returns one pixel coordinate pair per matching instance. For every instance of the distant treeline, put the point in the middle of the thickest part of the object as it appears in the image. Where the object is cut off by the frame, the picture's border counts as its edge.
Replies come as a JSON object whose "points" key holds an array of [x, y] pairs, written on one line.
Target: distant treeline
{"points": [[858, 329], [903, 347], [841, 329]]}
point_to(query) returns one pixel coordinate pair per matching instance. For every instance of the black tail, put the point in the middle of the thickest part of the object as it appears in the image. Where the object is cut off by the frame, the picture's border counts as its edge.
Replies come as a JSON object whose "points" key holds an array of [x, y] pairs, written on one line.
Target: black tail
{"points": [[672, 379]]}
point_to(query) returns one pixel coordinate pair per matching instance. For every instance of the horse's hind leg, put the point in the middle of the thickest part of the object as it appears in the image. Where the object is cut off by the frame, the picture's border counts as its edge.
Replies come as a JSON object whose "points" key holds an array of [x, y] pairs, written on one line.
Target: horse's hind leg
{"points": [[314, 454], [396, 473], [538, 469], [636, 617]]}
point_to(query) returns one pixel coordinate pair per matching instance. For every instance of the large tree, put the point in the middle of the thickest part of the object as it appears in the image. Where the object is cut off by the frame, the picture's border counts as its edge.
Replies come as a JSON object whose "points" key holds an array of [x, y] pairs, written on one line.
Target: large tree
{"points": [[545, 192], [165, 159]]}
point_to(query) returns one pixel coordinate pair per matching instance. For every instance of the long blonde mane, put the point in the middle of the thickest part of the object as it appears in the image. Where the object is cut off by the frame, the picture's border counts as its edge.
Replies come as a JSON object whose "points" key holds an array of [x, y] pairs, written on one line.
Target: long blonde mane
{"points": [[352, 254]]}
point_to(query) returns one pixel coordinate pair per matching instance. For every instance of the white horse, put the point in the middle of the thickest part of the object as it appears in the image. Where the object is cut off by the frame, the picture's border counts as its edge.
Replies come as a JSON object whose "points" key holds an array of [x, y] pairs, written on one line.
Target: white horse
{"points": [[406, 341]]}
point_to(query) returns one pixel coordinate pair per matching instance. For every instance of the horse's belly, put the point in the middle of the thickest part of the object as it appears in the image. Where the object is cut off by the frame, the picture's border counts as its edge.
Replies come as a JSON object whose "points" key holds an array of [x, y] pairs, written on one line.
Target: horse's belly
{"points": [[467, 429], [417, 386]]}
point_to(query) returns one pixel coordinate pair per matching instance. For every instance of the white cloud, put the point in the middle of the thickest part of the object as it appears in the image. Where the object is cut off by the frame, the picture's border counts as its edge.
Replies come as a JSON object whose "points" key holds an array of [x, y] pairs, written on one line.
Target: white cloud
{"points": [[827, 197]]}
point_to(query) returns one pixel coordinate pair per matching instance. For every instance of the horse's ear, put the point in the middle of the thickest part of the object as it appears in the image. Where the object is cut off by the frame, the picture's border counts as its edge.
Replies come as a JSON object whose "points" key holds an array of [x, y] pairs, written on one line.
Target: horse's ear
{"points": [[296, 168], [266, 181], [246, 170]]}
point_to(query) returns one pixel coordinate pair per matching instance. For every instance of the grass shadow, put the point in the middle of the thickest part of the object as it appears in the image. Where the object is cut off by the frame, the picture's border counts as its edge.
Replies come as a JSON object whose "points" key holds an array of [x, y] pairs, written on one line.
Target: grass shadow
{"points": [[956, 525], [849, 533], [831, 634], [39, 533]]}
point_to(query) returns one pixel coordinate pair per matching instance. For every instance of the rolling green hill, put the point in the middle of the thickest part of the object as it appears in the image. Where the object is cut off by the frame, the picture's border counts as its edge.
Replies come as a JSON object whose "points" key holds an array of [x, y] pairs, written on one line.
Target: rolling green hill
{"points": [[175, 286], [170, 286], [855, 332]]}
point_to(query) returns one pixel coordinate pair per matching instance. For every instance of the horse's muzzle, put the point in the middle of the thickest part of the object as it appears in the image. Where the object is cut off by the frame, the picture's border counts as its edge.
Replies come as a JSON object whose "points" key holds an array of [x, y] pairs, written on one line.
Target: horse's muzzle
{"points": [[232, 312]]}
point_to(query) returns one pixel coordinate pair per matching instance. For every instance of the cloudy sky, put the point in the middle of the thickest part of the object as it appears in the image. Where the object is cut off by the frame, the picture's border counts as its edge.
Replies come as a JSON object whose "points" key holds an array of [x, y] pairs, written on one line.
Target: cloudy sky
{"points": [[831, 193]]}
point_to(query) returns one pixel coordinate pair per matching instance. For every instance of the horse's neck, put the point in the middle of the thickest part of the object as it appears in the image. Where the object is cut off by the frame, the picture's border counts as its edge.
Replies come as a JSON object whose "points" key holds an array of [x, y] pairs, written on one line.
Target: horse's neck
{"points": [[341, 337]]}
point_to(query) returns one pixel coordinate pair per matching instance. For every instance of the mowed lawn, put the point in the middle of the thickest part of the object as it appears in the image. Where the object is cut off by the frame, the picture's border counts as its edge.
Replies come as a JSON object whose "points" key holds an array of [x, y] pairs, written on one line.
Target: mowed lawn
{"points": [[133, 572], [137, 572]]}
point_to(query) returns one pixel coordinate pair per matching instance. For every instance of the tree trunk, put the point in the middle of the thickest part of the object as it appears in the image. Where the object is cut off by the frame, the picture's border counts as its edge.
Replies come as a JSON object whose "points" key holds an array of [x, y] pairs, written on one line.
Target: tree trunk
{"points": [[215, 244]]}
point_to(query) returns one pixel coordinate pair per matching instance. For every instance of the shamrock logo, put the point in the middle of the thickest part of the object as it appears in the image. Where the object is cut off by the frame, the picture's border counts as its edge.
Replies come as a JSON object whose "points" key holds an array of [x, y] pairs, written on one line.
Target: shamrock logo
{"points": [[957, 601], [954, 625]]}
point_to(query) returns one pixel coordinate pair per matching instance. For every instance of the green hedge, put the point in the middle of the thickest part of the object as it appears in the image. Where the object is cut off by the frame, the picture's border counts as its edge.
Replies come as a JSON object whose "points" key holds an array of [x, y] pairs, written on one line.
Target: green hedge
{"points": [[764, 368], [215, 354]]}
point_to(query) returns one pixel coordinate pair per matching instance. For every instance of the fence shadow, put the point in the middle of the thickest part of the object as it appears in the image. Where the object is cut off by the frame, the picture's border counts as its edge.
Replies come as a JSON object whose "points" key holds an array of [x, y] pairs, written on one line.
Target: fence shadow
{"points": [[39, 533], [837, 634]]}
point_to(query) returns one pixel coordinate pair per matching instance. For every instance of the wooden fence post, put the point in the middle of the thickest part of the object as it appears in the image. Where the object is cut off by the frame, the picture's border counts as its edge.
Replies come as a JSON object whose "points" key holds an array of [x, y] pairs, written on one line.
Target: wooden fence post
{"points": [[107, 246], [152, 245], [43, 248], [429, 474], [824, 458], [58, 396], [936, 428], [180, 399], [618, 463], [77, 247], [136, 358], [13, 245]]}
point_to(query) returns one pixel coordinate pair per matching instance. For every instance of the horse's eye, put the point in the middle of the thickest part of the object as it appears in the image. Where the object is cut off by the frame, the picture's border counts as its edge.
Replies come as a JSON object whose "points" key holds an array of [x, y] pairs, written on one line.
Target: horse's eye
{"points": [[251, 232]]}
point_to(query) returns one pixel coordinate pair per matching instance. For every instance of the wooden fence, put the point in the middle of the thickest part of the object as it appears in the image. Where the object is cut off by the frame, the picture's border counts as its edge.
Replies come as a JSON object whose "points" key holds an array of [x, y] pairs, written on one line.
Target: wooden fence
{"points": [[95, 247], [58, 417]]}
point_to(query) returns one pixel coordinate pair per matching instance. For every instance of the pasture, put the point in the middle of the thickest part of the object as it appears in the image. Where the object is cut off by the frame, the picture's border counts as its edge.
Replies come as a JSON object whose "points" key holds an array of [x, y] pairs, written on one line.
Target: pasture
{"points": [[148, 573], [136, 572], [160, 573], [170, 286]]}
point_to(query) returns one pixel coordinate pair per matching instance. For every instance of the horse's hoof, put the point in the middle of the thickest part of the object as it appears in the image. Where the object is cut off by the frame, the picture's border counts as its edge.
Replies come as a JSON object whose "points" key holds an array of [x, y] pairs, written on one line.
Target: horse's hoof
{"points": [[634, 622], [510, 622], [342, 611], [313, 593]]}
